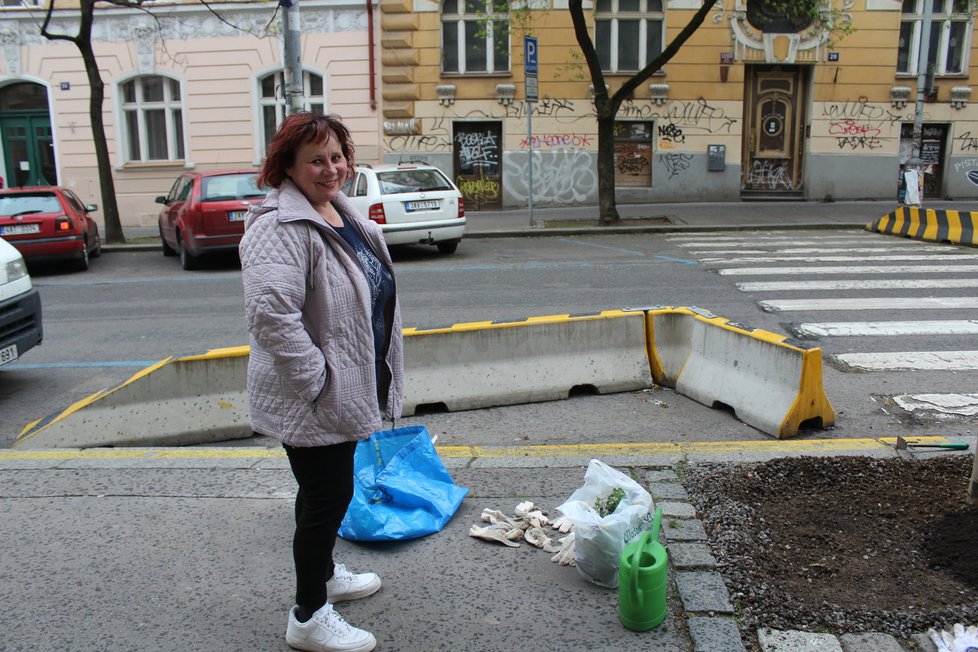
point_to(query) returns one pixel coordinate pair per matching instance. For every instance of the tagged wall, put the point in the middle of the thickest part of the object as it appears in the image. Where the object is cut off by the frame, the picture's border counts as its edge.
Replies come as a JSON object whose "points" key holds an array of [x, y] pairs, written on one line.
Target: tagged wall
{"points": [[564, 145]]}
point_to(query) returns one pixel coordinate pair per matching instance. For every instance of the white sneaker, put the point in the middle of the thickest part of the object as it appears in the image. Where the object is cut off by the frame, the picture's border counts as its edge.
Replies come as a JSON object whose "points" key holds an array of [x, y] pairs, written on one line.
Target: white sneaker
{"points": [[326, 631], [345, 585]]}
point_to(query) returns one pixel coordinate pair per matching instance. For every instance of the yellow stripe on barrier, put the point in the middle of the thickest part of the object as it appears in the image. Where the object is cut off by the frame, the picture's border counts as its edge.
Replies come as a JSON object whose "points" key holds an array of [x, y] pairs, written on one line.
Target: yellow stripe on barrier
{"points": [[954, 226], [529, 321]]}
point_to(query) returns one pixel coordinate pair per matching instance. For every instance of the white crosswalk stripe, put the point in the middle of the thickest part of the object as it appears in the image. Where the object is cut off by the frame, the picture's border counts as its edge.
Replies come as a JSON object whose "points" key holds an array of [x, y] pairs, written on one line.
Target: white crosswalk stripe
{"points": [[896, 303], [925, 270], [839, 259], [912, 360], [855, 328], [827, 250], [869, 284], [868, 269]]}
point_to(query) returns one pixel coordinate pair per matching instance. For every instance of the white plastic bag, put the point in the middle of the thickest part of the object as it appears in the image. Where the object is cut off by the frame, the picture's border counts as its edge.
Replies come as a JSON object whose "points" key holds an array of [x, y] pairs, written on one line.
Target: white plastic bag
{"points": [[600, 540], [912, 180]]}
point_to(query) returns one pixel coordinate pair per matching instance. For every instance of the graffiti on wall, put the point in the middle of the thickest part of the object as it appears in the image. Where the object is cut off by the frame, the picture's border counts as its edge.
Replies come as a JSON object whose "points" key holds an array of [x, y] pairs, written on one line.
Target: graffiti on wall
{"points": [[853, 134], [861, 125], [769, 174], [547, 141], [670, 135], [699, 116], [967, 142], [482, 190], [478, 150], [569, 177], [675, 163], [970, 168], [545, 107]]}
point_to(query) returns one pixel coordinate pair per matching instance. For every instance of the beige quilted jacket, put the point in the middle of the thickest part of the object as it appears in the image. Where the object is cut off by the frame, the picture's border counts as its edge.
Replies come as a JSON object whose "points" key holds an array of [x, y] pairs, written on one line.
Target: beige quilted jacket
{"points": [[311, 372]]}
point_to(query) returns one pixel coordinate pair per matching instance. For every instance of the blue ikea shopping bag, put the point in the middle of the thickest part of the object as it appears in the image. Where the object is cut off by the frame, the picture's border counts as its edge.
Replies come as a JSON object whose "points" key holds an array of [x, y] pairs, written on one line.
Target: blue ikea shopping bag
{"points": [[401, 489]]}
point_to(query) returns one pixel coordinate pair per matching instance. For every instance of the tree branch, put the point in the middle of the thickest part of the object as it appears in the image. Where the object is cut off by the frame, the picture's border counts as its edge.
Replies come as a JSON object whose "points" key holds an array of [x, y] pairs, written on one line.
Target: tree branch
{"points": [[667, 54]]}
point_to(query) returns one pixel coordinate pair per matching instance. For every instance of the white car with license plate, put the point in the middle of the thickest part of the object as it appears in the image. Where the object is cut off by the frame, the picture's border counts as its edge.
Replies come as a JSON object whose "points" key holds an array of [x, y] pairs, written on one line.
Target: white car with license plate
{"points": [[20, 306], [413, 204]]}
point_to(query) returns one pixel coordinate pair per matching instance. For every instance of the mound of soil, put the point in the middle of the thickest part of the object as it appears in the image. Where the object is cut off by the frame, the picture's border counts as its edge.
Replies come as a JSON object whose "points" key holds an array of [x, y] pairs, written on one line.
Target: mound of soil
{"points": [[843, 544]]}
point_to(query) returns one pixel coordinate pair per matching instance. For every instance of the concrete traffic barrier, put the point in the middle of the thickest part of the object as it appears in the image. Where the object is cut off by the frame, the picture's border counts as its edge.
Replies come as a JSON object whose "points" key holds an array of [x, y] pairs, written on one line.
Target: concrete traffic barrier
{"points": [[178, 401], [203, 398], [481, 364], [771, 382], [935, 225]]}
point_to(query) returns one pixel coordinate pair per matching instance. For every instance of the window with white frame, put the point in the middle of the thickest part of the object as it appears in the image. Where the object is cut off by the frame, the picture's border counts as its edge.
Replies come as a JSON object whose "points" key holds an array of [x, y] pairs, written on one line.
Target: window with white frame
{"points": [[628, 33], [152, 118], [475, 36], [949, 37], [273, 102]]}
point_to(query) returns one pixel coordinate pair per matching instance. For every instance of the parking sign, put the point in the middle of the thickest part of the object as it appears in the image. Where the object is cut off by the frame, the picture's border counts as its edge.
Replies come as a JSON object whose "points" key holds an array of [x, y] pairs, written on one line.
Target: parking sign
{"points": [[530, 55]]}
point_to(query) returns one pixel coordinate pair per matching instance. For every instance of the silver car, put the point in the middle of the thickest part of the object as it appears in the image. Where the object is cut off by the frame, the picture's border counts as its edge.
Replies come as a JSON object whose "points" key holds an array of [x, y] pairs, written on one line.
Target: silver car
{"points": [[412, 203]]}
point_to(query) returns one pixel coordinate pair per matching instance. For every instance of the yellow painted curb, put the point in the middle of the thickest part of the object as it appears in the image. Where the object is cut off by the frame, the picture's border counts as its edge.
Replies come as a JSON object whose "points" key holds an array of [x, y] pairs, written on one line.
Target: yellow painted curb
{"points": [[491, 452]]}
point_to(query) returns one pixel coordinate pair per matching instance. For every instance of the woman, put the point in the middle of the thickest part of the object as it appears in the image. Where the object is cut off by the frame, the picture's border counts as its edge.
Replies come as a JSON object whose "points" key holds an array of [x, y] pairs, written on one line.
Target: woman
{"points": [[326, 354]]}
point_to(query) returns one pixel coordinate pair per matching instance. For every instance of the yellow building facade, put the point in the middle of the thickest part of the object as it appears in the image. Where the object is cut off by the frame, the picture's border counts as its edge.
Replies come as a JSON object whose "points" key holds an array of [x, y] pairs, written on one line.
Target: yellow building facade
{"points": [[753, 105]]}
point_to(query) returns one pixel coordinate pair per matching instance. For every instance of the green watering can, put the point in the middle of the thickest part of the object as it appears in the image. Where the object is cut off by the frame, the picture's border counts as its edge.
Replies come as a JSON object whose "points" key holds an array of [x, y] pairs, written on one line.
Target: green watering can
{"points": [[642, 580]]}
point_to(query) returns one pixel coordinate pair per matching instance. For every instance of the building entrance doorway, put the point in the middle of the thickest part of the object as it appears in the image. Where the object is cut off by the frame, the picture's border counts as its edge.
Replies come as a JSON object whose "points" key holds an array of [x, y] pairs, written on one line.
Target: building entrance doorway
{"points": [[26, 136], [477, 159], [776, 98]]}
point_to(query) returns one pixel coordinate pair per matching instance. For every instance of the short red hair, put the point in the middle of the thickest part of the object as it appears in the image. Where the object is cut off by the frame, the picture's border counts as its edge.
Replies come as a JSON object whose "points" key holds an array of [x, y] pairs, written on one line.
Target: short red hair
{"points": [[297, 129]]}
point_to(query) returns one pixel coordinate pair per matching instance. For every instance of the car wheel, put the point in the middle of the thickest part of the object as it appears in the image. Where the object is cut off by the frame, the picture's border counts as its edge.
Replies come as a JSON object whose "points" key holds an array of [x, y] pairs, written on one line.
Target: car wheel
{"points": [[81, 263], [448, 247], [97, 249], [167, 249], [187, 260]]}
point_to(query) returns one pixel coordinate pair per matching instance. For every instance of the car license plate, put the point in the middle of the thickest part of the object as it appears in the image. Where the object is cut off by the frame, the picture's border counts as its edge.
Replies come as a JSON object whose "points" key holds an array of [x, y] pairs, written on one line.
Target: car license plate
{"points": [[15, 229], [236, 216], [428, 205], [8, 354]]}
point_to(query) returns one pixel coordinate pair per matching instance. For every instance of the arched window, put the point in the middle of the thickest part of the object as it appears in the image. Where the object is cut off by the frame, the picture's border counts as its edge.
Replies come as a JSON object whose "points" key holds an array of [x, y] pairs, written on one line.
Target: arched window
{"points": [[628, 33], [152, 119], [273, 105], [475, 36]]}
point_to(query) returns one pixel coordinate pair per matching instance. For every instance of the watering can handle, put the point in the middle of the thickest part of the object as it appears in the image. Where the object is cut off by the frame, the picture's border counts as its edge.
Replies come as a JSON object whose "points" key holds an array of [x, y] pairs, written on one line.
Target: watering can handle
{"points": [[651, 533]]}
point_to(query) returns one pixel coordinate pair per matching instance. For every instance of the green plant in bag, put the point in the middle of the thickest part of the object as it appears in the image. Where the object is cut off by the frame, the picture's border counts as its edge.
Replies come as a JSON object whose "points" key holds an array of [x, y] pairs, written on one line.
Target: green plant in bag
{"points": [[609, 504]]}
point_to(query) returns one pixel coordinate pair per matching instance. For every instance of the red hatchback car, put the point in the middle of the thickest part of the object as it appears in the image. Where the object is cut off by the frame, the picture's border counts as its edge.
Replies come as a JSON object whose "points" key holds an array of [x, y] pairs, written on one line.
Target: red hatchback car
{"points": [[205, 212], [48, 223]]}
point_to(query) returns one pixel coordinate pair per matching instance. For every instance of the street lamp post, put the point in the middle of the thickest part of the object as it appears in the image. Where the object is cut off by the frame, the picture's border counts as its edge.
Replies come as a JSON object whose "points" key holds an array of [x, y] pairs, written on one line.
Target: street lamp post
{"points": [[292, 55]]}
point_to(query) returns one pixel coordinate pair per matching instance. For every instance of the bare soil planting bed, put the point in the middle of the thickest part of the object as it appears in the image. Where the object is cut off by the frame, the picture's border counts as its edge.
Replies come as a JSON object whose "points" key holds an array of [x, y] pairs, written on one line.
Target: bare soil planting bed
{"points": [[843, 544]]}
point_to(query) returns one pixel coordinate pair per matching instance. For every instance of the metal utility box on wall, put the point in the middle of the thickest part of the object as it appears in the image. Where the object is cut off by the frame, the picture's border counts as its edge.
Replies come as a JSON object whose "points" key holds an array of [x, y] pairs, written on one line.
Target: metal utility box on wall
{"points": [[716, 158]]}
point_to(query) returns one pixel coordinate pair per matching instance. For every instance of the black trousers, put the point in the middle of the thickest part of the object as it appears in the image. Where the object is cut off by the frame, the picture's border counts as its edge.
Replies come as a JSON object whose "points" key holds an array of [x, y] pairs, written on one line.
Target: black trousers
{"points": [[325, 477]]}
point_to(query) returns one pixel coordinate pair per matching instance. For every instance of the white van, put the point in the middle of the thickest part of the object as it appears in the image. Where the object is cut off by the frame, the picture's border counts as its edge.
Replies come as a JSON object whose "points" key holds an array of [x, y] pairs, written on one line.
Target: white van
{"points": [[20, 306]]}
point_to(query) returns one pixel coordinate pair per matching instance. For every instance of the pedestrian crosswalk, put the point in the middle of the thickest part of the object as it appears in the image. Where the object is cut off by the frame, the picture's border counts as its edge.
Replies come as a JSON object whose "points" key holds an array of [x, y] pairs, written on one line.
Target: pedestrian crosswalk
{"points": [[805, 274]]}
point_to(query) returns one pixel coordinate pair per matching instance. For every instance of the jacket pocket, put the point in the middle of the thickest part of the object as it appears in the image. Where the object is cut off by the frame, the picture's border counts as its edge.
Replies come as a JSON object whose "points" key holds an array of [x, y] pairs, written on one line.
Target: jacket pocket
{"points": [[348, 403]]}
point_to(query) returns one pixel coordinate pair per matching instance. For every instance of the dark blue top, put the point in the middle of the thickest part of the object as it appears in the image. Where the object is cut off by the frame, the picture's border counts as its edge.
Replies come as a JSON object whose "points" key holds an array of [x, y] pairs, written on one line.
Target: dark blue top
{"points": [[381, 284]]}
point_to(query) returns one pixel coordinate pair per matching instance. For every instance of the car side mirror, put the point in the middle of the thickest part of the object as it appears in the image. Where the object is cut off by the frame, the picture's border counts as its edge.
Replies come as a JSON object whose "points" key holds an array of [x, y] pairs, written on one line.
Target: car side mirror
{"points": [[161, 199], [91, 208]]}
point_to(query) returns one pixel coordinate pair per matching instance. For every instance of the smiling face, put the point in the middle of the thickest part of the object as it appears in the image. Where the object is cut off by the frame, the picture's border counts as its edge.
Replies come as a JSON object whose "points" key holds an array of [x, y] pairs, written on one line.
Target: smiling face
{"points": [[319, 170]]}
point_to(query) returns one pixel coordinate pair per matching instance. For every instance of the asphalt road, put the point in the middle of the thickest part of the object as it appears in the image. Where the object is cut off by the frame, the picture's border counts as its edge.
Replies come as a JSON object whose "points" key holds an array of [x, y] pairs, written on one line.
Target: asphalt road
{"points": [[134, 308]]}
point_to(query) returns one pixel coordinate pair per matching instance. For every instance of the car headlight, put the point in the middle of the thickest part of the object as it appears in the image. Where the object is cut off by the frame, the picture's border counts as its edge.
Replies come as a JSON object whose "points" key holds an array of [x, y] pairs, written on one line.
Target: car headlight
{"points": [[16, 269]]}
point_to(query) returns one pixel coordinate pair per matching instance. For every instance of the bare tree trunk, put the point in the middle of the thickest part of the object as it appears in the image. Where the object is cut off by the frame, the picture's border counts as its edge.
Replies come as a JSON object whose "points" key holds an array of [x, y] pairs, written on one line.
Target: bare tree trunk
{"points": [[83, 41], [606, 108], [607, 202], [110, 208]]}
